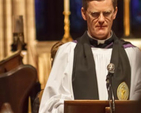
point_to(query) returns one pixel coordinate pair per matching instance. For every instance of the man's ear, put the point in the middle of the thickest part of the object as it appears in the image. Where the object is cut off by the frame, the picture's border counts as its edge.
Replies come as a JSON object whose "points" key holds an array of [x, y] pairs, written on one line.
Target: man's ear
{"points": [[115, 13], [83, 13]]}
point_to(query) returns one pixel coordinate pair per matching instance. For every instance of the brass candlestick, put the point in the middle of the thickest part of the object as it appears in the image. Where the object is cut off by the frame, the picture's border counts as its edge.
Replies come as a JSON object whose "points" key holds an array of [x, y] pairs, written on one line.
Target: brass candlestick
{"points": [[127, 18], [67, 37]]}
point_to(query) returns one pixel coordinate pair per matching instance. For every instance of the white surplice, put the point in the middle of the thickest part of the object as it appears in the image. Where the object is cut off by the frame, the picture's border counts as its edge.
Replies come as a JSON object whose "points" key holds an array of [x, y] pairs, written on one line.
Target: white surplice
{"points": [[59, 84]]}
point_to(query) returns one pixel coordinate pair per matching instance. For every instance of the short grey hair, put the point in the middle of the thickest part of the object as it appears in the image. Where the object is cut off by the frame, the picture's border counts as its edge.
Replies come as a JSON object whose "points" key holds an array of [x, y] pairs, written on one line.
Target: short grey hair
{"points": [[85, 3]]}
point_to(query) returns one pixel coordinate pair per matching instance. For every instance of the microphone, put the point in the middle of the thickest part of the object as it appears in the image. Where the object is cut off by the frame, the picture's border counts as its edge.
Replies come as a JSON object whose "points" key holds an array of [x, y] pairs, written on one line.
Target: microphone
{"points": [[111, 69]]}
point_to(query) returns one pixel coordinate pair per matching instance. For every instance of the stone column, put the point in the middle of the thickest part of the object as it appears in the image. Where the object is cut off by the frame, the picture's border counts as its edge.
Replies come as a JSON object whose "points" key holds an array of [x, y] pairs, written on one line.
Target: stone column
{"points": [[1, 29], [8, 26], [5, 28], [30, 30], [19, 8]]}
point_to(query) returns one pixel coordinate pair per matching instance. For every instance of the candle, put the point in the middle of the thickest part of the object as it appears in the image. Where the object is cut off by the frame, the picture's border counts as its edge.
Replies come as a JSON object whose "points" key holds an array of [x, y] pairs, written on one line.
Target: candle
{"points": [[66, 5]]}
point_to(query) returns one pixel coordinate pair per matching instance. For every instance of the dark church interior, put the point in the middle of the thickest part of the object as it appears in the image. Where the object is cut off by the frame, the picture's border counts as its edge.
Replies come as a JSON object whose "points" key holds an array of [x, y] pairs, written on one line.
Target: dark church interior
{"points": [[26, 52]]}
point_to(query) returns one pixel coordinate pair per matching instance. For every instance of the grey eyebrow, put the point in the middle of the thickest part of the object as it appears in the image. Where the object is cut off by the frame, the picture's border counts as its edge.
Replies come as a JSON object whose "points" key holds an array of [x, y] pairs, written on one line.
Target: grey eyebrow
{"points": [[100, 11]]}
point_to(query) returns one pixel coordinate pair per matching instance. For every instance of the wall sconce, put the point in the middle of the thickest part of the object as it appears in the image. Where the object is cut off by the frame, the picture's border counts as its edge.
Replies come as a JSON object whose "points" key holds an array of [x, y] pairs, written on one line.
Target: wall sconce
{"points": [[18, 35]]}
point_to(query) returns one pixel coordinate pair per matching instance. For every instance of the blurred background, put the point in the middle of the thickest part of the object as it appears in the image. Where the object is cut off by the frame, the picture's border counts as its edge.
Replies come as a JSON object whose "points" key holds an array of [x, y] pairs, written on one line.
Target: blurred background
{"points": [[28, 31], [41, 24]]}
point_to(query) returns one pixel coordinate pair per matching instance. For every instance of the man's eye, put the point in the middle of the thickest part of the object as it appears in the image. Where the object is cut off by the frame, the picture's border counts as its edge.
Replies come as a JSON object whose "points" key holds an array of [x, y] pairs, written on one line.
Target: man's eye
{"points": [[95, 14], [106, 13]]}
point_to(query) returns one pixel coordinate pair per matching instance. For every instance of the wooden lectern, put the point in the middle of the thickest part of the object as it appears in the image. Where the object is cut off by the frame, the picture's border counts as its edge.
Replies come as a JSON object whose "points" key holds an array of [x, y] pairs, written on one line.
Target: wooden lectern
{"points": [[98, 106]]}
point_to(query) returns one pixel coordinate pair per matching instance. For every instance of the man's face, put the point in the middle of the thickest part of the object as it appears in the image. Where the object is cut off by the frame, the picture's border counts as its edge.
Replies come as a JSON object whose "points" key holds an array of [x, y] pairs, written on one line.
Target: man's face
{"points": [[99, 16]]}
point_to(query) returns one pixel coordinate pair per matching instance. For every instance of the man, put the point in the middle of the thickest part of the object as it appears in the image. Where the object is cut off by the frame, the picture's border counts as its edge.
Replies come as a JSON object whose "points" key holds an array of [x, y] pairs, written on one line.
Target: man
{"points": [[80, 67]]}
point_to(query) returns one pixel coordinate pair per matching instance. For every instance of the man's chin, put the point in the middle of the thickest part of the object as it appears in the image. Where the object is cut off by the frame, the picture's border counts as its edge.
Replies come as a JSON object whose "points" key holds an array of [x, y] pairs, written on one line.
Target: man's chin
{"points": [[102, 36]]}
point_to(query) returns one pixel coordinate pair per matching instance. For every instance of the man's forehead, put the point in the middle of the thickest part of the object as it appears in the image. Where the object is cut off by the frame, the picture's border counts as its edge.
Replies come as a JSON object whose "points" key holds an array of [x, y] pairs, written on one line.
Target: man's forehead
{"points": [[100, 1], [103, 5]]}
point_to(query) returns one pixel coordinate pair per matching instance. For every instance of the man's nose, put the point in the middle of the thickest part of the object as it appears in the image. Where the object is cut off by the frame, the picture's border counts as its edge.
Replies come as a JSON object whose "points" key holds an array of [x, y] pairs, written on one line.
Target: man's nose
{"points": [[101, 18]]}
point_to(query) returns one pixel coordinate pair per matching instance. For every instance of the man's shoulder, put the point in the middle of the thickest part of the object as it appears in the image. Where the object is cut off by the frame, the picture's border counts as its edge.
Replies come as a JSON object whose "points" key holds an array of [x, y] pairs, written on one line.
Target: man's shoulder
{"points": [[68, 45], [127, 44]]}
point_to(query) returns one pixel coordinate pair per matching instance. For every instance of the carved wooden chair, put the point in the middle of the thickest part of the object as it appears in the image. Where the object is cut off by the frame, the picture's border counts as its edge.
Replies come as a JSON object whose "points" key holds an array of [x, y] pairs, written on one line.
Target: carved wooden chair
{"points": [[18, 82], [17, 85], [11, 62]]}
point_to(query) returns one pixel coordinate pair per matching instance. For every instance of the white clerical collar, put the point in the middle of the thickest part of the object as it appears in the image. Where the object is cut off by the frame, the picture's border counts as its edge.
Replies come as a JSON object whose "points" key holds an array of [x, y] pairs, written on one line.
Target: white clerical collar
{"points": [[100, 41]]}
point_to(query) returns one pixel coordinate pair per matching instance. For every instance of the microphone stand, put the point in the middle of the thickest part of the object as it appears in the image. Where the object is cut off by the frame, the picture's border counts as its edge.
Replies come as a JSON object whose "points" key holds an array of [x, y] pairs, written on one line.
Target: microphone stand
{"points": [[110, 91]]}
